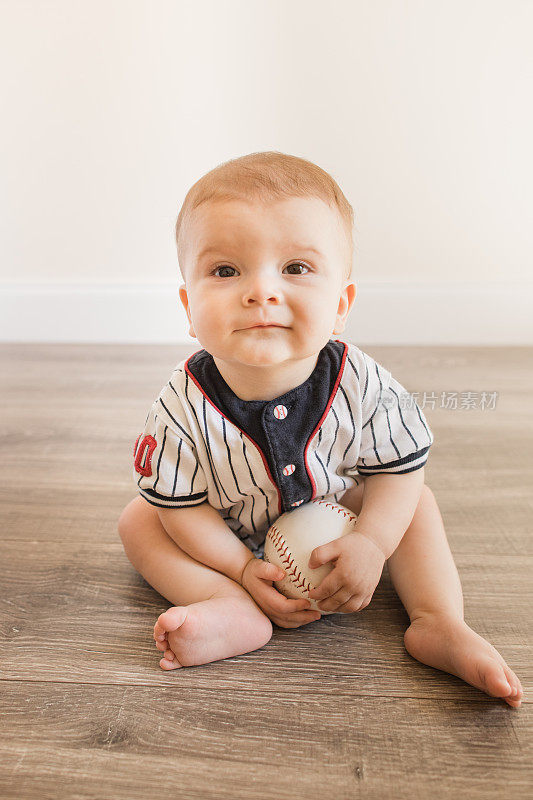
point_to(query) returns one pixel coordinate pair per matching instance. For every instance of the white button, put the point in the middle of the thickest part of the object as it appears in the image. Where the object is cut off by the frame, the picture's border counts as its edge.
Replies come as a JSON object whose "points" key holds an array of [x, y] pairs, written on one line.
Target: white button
{"points": [[280, 412], [289, 469]]}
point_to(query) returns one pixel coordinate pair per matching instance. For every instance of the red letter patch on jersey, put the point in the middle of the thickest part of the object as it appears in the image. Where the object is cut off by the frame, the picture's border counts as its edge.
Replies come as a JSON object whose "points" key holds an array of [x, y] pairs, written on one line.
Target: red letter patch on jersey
{"points": [[147, 442]]}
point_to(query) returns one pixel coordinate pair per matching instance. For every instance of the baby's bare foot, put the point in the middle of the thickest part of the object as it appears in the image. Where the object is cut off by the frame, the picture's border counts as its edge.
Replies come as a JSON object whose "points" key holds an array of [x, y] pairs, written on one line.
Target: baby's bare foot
{"points": [[448, 643], [217, 628]]}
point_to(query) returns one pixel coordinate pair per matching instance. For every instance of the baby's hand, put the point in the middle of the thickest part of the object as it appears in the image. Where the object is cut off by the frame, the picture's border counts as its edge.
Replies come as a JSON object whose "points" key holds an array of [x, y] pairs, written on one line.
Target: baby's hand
{"points": [[257, 579], [358, 564]]}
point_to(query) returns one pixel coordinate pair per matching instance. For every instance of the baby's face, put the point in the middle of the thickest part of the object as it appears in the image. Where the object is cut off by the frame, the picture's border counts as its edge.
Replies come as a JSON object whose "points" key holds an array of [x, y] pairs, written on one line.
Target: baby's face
{"points": [[248, 263]]}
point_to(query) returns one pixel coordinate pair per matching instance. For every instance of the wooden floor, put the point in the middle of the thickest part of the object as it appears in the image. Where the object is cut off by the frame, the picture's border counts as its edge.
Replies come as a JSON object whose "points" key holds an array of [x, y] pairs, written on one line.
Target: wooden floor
{"points": [[335, 709]]}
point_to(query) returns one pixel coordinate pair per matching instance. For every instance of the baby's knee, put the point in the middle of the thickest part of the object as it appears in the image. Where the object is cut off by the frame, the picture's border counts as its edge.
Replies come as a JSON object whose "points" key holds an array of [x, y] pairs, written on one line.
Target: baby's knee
{"points": [[426, 494], [264, 628], [134, 518]]}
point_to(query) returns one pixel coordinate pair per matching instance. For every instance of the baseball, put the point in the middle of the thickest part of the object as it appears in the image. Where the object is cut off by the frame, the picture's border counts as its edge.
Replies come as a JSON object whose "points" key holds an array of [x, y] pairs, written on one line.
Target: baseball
{"points": [[292, 538]]}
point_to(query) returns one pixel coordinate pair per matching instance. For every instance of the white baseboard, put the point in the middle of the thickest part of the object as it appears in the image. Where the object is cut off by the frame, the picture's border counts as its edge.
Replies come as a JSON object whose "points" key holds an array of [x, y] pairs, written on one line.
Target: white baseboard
{"points": [[415, 314]]}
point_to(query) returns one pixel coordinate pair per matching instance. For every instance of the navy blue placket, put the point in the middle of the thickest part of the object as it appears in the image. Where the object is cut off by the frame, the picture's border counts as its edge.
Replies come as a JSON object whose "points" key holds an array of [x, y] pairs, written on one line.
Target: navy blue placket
{"points": [[288, 422], [280, 427]]}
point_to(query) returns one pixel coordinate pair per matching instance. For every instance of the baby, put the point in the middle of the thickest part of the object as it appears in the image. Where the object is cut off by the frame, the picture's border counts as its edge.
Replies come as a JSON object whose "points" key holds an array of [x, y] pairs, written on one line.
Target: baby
{"points": [[275, 412]]}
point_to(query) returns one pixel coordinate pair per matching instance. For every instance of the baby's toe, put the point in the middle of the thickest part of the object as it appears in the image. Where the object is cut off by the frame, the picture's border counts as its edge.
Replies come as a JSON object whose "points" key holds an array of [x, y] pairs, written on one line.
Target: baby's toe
{"points": [[518, 687], [512, 678], [513, 703], [491, 676], [514, 698], [159, 631], [514, 683], [167, 663], [172, 618], [162, 645]]}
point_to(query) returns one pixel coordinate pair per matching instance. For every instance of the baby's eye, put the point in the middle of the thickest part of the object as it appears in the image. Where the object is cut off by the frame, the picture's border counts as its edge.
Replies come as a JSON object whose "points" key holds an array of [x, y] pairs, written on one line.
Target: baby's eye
{"points": [[298, 264], [224, 266]]}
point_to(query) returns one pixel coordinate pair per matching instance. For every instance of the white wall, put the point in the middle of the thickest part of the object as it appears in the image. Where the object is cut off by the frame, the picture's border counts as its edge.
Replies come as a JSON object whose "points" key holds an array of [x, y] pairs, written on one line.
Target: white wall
{"points": [[420, 109]]}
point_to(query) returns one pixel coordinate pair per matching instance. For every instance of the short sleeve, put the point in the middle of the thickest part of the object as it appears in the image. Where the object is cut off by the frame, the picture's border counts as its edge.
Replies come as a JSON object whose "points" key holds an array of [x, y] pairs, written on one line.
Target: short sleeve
{"points": [[395, 436], [166, 467]]}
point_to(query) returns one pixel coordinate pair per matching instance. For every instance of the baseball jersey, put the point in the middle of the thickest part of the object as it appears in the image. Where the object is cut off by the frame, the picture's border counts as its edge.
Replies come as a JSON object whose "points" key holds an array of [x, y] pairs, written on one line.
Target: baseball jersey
{"points": [[253, 460]]}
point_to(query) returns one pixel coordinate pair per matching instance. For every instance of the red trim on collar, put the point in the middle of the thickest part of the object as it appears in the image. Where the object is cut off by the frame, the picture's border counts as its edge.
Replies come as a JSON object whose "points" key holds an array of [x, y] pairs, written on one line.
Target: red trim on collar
{"points": [[321, 420]]}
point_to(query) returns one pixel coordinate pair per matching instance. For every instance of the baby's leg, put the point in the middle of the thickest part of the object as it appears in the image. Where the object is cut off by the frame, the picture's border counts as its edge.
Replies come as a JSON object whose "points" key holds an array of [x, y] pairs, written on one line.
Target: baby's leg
{"points": [[424, 574], [213, 616], [425, 577]]}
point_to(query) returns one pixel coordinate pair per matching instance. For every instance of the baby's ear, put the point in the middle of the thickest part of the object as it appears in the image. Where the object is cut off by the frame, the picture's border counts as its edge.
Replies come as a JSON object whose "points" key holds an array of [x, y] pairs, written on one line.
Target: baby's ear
{"points": [[184, 297], [185, 302], [346, 302]]}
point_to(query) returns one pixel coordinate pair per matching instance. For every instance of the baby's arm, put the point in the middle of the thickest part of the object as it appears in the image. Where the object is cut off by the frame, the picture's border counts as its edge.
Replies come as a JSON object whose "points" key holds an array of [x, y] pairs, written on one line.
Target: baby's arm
{"points": [[203, 534], [388, 506]]}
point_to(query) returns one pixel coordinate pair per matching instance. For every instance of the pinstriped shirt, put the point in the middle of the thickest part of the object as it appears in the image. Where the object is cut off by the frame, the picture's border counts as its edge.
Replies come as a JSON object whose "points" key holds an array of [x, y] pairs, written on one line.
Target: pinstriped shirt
{"points": [[254, 460]]}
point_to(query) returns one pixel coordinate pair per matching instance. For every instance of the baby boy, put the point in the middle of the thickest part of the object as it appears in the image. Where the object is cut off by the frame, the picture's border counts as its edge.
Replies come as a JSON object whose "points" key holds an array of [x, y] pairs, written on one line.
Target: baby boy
{"points": [[274, 412]]}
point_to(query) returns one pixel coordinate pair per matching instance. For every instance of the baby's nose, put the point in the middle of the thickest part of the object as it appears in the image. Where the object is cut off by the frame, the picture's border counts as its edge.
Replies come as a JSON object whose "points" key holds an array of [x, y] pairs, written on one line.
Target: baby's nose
{"points": [[258, 295]]}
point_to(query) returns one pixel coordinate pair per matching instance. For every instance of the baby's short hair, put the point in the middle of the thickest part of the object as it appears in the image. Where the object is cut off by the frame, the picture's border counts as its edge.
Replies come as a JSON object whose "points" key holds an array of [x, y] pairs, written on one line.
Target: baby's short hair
{"points": [[265, 176]]}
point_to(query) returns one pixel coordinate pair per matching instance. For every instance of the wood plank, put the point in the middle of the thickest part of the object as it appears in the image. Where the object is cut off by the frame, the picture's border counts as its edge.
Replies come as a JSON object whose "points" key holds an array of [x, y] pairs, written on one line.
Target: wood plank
{"points": [[257, 741]]}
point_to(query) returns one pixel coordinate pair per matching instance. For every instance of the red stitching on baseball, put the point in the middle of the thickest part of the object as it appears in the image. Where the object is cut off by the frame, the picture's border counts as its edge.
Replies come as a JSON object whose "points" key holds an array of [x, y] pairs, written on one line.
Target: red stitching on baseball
{"points": [[286, 557], [336, 508]]}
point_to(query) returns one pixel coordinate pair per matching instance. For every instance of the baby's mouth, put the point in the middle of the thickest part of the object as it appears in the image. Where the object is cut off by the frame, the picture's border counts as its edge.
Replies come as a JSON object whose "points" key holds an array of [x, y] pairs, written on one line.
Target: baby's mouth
{"points": [[262, 327]]}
